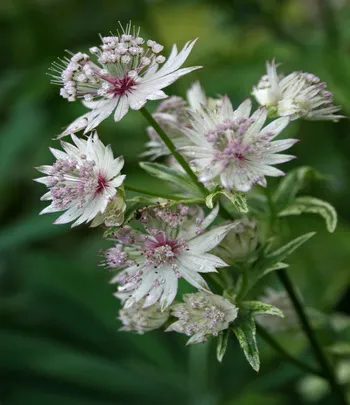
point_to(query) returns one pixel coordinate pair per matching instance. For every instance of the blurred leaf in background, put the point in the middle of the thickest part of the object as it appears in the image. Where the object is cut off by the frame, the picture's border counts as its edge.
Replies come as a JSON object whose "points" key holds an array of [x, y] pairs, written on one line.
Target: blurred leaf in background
{"points": [[59, 339]]}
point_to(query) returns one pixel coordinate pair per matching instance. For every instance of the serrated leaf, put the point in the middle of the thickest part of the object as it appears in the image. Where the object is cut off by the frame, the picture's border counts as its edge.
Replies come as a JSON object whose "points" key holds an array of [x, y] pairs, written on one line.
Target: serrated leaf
{"points": [[175, 177], [292, 184], [261, 308], [314, 206], [222, 344], [281, 253], [238, 200], [245, 333]]}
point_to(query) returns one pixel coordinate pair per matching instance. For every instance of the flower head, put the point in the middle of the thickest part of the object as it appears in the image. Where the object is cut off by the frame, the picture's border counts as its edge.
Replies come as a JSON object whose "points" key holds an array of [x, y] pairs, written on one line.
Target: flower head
{"points": [[172, 115], [298, 95], [84, 182], [239, 242], [171, 244], [139, 319], [233, 149], [124, 71], [202, 315]]}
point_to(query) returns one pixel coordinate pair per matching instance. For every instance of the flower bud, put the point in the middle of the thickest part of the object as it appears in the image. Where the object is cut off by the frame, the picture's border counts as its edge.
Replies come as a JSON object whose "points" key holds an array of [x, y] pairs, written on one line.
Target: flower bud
{"points": [[202, 315]]}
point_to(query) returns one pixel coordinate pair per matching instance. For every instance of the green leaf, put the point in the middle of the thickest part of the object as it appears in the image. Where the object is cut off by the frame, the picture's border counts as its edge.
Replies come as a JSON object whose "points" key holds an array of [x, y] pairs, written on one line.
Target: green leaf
{"points": [[245, 332], [222, 344], [270, 269], [238, 200], [168, 174], [260, 308], [314, 206], [281, 253], [292, 184], [340, 348]]}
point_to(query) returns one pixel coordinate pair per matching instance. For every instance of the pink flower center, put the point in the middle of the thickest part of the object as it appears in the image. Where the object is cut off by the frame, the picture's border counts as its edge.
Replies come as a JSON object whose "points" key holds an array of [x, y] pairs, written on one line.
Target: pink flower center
{"points": [[101, 184], [121, 86], [160, 249]]}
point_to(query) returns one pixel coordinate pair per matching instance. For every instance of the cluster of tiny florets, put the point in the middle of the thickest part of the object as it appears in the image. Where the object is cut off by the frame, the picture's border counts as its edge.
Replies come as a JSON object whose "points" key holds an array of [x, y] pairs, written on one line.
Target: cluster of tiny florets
{"points": [[202, 315], [118, 62]]}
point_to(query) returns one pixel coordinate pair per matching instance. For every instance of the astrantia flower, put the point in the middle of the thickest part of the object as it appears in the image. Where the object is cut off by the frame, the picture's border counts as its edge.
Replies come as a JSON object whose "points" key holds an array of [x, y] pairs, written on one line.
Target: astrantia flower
{"points": [[123, 72], [171, 245], [298, 95], [239, 242], [232, 149], [139, 319], [85, 182], [202, 315], [172, 115]]}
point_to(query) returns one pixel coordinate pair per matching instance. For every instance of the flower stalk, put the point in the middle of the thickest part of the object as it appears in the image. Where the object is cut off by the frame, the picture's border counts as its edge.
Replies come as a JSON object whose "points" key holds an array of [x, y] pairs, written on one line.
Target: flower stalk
{"points": [[315, 345]]}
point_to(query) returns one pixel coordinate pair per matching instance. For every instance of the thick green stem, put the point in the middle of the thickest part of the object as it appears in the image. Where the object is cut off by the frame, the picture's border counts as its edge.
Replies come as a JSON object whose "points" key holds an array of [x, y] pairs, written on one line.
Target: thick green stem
{"points": [[172, 148], [288, 357], [316, 347], [160, 195]]}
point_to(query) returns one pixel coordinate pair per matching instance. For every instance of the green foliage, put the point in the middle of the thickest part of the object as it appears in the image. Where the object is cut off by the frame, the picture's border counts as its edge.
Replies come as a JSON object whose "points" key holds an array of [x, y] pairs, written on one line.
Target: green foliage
{"points": [[238, 200], [245, 332], [221, 346], [315, 206]]}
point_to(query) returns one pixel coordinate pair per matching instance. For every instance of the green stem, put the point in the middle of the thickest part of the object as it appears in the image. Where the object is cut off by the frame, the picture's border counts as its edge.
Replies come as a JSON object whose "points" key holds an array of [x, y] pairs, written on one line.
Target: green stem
{"points": [[172, 148], [288, 357], [316, 347], [157, 194]]}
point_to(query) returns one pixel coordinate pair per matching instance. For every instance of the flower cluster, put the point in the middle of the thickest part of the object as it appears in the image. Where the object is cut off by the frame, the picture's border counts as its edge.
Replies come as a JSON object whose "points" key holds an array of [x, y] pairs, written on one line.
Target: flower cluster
{"points": [[85, 182], [298, 95], [123, 72], [172, 244], [202, 315], [161, 240]]}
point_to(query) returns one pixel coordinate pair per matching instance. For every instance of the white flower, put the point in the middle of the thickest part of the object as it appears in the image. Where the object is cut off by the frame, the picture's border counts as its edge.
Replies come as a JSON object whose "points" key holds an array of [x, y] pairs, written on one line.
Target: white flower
{"points": [[124, 72], [139, 319], [171, 245], [298, 95], [202, 315], [84, 182], [232, 149], [172, 115], [239, 242]]}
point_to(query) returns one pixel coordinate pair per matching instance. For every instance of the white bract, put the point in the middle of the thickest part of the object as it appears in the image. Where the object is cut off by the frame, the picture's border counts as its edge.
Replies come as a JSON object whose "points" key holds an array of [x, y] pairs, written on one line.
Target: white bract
{"points": [[202, 315], [232, 149], [124, 72], [239, 242], [172, 115], [172, 244], [84, 182], [298, 95], [139, 319]]}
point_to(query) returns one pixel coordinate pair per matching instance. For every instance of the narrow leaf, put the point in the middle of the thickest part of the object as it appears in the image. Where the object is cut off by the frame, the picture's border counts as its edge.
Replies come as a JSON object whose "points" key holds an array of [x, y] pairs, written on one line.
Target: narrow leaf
{"points": [[222, 344], [180, 180], [281, 253], [314, 206], [260, 308], [290, 186], [270, 269], [245, 333], [238, 200]]}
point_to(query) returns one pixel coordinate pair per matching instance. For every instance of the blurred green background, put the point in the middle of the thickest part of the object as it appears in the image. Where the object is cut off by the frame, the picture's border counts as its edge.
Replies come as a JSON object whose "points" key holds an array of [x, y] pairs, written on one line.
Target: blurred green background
{"points": [[59, 342]]}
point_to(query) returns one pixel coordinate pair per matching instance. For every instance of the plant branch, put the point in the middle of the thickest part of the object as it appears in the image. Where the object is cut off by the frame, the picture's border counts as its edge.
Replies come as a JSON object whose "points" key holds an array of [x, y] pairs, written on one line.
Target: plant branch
{"points": [[288, 357], [160, 195], [172, 148], [316, 347]]}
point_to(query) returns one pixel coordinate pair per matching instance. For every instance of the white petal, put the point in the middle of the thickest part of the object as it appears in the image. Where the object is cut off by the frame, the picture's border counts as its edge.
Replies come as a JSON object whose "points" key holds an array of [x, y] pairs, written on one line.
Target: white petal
{"points": [[208, 240], [121, 109]]}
